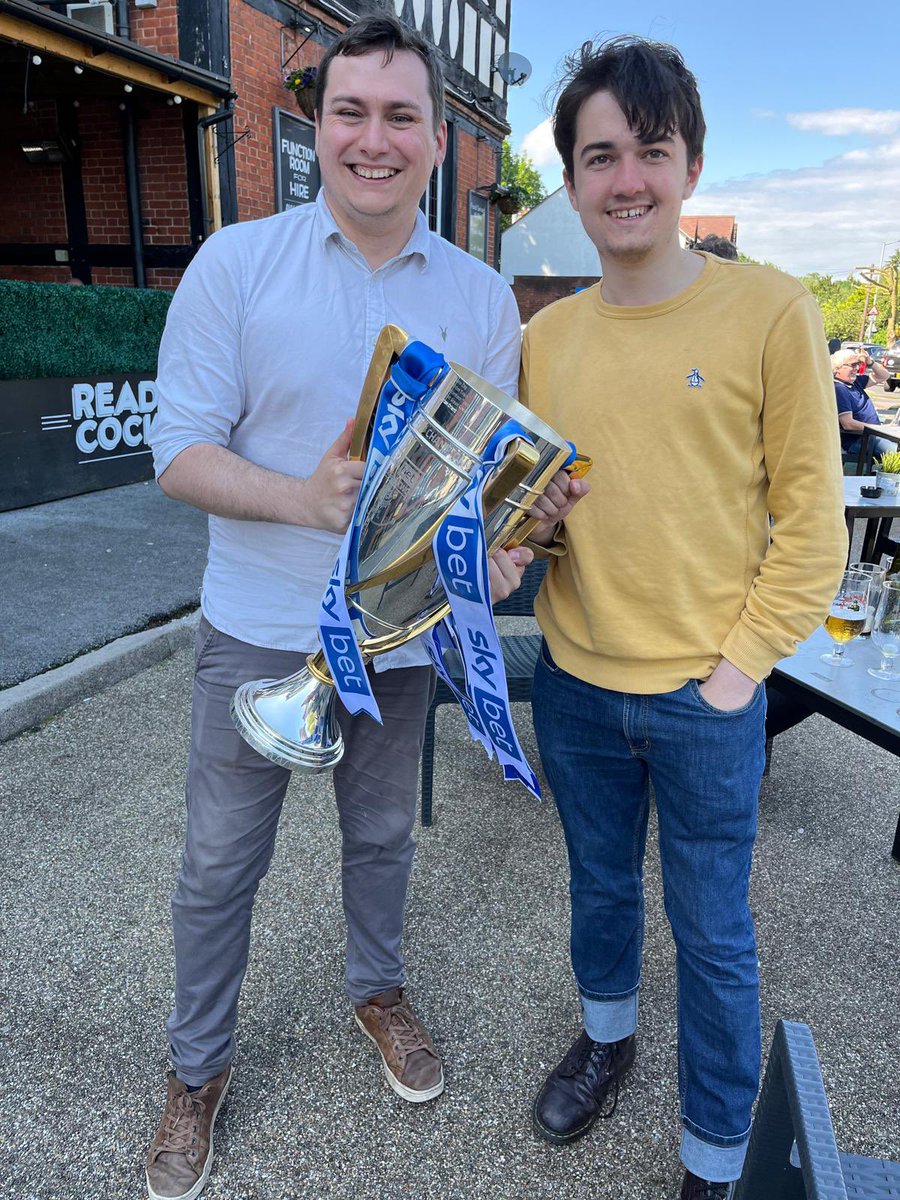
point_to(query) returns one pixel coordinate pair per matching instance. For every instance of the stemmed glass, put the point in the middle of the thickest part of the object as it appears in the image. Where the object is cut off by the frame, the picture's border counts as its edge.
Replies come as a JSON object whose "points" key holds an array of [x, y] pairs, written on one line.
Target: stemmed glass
{"points": [[886, 629], [877, 573], [847, 616]]}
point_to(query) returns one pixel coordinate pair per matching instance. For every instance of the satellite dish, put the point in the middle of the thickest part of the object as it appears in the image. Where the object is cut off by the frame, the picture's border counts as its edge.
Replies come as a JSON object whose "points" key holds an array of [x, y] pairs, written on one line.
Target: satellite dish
{"points": [[513, 69]]}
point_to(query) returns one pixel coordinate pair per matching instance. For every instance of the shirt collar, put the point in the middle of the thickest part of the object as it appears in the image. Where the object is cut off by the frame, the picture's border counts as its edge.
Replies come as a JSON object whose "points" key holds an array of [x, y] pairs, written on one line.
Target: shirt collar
{"points": [[329, 230]]}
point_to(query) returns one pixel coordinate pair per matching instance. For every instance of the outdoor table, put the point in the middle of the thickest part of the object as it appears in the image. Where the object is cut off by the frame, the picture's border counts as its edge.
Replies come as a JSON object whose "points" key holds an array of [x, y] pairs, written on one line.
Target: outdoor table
{"points": [[850, 696], [877, 514], [891, 432]]}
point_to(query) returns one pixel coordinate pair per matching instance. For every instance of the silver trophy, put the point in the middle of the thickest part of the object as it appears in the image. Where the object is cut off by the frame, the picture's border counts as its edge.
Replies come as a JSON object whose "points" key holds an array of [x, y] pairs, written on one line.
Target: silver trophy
{"points": [[395, 587]]}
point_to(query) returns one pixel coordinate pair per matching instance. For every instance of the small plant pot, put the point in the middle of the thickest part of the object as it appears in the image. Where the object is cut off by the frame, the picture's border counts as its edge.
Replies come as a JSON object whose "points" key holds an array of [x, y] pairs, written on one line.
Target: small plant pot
{"points": [[889, 484], [508, 205]]}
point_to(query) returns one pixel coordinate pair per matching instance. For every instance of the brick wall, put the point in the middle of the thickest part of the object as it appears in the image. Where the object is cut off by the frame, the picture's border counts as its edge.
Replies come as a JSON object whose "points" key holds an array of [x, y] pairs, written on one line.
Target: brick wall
{"points": [[476, 165], [156, 28], [31, 198], [256, 64], [534, 292]]}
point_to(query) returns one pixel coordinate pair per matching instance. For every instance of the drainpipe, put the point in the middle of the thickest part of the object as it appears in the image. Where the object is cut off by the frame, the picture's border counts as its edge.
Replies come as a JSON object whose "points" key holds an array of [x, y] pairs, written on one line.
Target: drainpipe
{"points": [[133, 192], [123, 25]]}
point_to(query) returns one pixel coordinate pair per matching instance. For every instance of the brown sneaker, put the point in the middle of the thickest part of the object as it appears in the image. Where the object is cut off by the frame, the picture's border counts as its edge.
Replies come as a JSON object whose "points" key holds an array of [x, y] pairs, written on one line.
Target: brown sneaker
{"points": [[182, 1152], [411, 1064]]}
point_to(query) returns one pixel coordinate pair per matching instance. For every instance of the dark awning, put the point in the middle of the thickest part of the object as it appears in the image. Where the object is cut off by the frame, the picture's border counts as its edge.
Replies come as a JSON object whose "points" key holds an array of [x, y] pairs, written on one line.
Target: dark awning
{"points": [[39, 27]]}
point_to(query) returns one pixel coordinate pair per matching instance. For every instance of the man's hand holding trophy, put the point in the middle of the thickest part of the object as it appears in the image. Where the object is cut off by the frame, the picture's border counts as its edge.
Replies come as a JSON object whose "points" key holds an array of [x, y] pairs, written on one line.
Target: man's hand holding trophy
{"points": [[438, 472]]}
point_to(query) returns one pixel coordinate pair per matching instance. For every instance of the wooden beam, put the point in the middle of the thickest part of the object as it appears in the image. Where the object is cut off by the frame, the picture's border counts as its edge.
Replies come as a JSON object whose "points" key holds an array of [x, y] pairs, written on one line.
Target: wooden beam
{"points": [[17, 30]]}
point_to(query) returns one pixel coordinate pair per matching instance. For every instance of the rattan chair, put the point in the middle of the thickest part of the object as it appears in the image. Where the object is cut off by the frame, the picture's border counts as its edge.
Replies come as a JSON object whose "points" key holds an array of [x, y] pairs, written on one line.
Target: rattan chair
{"points": [[793, 1109], [520, 653]]}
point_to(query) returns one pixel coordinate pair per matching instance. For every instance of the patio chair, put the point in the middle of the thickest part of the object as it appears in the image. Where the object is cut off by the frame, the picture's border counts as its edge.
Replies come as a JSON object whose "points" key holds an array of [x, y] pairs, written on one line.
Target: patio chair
{"points": [[793, 1110], [520, 653]]}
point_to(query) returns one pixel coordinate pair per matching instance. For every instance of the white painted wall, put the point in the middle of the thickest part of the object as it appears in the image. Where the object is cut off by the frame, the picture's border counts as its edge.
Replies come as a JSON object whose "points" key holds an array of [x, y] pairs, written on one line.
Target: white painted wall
{"points": [[549, 240]]}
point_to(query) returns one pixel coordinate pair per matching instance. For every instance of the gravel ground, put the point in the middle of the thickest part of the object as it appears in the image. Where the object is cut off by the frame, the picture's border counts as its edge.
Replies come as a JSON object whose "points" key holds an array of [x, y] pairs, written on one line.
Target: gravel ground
{"points": [[92, 807]]}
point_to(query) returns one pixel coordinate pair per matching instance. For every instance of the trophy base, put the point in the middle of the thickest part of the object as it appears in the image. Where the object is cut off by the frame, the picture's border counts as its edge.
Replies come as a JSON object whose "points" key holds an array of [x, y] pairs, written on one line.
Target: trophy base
{"points": [[263, 710]]}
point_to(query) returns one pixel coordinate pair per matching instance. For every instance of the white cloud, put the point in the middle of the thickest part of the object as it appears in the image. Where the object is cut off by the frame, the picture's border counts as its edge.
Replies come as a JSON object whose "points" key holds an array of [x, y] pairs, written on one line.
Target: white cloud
{"points": [[837, 122], [538, 145], [831, 218]]}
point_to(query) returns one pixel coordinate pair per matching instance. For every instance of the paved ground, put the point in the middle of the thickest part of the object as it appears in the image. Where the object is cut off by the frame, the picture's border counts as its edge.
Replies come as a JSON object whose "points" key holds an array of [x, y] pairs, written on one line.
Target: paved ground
{"points": [[80, 572], [92, 823]]}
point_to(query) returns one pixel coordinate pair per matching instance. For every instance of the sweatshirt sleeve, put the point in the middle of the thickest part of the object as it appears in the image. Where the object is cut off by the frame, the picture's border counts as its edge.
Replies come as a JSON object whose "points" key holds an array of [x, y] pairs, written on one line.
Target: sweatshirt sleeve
{"points": [[802, 569]]}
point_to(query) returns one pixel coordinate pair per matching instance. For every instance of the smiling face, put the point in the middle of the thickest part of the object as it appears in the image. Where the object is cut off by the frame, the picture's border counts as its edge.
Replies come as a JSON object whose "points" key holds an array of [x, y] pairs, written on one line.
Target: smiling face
{"points": [[848, 371], [376, 143], [627, 192]]}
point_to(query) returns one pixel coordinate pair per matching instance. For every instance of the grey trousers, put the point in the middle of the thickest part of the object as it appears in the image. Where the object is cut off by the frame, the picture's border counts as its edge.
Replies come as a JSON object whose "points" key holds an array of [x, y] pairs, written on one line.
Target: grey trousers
{"points": [[234, 799]]}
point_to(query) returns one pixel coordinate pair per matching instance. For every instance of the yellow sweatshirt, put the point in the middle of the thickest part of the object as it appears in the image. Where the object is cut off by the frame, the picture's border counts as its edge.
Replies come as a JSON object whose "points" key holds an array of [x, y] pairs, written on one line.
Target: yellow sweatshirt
{"points": [[704, 415]]}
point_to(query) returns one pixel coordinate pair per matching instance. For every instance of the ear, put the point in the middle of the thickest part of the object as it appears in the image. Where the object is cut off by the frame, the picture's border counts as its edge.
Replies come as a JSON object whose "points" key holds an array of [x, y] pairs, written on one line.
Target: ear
{"points": [[693, 176], [440, 139], [570, 190]]}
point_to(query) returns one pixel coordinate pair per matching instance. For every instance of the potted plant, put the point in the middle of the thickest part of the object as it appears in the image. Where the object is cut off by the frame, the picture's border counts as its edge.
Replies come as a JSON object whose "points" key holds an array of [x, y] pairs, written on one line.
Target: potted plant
{"points": [[888, 473], [302, 82], [508, 199]]}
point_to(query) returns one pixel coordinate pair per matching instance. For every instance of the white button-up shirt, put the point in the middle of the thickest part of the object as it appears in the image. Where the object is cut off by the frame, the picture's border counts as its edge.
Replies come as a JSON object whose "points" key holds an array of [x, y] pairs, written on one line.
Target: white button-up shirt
{"points": [[265, 351]]}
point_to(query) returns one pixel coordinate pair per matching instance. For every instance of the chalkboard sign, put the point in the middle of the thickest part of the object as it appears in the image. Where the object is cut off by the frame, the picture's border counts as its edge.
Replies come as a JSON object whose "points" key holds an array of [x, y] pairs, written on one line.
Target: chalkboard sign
{"points": [[297, 176]]}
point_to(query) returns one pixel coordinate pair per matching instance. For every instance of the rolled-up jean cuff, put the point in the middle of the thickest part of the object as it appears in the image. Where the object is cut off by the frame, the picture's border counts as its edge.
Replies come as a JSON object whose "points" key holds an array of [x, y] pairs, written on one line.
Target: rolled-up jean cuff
{"points": [[610, 1020], [720, 1164]]}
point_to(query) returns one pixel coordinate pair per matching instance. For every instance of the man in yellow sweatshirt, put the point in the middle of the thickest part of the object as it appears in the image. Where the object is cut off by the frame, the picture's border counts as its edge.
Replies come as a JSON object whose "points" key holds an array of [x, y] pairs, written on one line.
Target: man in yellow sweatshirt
{"points": [[671, 594]]}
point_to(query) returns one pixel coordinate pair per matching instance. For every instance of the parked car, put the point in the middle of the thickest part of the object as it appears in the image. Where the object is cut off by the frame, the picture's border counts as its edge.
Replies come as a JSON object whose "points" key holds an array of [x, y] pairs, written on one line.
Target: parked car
{"points": [[891, 362], [869, 347]]}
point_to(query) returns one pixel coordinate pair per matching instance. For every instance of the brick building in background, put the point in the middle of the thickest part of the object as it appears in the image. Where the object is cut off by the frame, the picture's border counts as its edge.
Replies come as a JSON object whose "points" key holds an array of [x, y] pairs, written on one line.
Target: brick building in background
{"points": [[129, 131]]}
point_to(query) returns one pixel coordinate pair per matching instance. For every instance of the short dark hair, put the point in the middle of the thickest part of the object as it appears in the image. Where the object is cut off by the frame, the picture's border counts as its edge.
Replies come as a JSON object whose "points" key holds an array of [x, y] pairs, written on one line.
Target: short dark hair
{"points": [[722, 247], [653, 87], [382, 31]]}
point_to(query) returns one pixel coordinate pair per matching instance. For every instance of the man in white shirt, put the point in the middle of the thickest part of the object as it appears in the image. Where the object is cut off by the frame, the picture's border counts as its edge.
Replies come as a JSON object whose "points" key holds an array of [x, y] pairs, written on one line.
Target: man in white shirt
{"points": [[261, 366]]}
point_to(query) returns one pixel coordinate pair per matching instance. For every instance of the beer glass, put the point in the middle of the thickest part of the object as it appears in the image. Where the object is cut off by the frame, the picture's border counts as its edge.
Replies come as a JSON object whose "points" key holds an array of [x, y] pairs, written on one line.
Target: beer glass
{"points": [[847, 615], [886, 629], [877, 573]]}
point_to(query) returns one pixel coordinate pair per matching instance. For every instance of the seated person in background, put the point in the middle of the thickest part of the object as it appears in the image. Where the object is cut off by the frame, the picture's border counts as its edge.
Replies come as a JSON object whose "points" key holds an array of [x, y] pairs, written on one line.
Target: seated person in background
{"points": [[854, 407]]}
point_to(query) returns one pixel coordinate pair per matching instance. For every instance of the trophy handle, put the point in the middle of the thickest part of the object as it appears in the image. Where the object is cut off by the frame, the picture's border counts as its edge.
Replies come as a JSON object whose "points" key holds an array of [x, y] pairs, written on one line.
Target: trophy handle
{"points": [[577, 469], [390, 344]]}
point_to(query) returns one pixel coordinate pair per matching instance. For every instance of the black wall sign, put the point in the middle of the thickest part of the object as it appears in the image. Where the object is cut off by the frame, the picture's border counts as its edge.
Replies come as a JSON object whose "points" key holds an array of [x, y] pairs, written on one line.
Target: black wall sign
{"points": [[62, 437], [296, 166]]}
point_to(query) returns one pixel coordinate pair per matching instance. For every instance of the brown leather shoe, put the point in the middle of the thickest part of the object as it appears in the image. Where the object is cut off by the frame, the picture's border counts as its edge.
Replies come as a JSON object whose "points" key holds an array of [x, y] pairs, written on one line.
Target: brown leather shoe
{"points": [[181, 1154], [411, 1063]]}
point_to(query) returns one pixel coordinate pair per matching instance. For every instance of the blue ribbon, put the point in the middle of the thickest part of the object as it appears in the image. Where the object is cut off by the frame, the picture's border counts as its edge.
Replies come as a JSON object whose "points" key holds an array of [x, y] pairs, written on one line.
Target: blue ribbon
{"points": [[416, 372]]}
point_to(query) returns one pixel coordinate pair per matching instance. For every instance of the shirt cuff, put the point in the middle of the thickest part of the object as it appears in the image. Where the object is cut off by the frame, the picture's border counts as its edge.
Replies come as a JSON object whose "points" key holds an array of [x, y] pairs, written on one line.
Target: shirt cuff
{"points": [[749, 652]]}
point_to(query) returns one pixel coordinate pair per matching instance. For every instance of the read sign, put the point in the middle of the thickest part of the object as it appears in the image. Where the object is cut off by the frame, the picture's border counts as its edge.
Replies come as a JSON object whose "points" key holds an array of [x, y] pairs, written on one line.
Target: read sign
{"points": [[62, 437]]}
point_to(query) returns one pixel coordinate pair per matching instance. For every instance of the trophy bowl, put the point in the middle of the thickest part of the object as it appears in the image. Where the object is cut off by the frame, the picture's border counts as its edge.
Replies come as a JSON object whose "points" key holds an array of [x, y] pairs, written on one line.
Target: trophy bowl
{"points": [[391, 581]]}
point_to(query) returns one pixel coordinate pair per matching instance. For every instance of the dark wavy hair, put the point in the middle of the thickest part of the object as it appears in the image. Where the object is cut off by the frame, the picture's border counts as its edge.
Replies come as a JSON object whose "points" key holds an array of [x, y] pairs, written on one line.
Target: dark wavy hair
{"points": [[382, 31], [651, 84]]}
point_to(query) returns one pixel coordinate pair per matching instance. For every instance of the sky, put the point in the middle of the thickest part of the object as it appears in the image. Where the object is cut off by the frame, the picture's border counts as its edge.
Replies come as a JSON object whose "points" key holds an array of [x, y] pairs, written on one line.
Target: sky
{"points": [[802, 106]]}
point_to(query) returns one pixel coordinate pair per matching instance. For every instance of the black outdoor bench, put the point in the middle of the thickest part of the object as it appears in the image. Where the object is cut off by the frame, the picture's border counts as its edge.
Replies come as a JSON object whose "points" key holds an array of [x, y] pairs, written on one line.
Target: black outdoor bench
{"points": [[520, 652], [793, 1108]]}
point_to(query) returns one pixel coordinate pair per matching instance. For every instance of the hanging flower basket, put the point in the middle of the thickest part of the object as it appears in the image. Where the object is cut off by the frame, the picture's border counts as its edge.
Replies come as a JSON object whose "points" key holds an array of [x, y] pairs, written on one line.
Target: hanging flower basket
{"points": [[509, 200], [302, 82]]}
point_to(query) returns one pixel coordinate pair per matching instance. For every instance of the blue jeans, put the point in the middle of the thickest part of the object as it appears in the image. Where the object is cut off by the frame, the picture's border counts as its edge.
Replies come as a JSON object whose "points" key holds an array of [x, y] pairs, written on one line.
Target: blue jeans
{"points": [[601, 751]]}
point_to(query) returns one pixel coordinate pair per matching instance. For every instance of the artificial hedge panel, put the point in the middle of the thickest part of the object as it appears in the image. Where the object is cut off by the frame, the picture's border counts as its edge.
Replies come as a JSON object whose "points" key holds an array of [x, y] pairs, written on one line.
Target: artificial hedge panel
{"points": [[49, 330]]}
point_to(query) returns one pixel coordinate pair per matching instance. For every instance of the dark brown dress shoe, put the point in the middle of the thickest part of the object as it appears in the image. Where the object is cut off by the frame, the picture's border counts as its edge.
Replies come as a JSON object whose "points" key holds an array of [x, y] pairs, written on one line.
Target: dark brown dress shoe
{"points": [[694, 1188], [578, 1091]]}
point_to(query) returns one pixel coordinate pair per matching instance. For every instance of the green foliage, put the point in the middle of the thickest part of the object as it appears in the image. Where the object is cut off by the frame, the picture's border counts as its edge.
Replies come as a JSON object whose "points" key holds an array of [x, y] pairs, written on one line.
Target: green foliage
{"points": [[49, 330], [843, 305], [890, 462], [519, 175]]}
